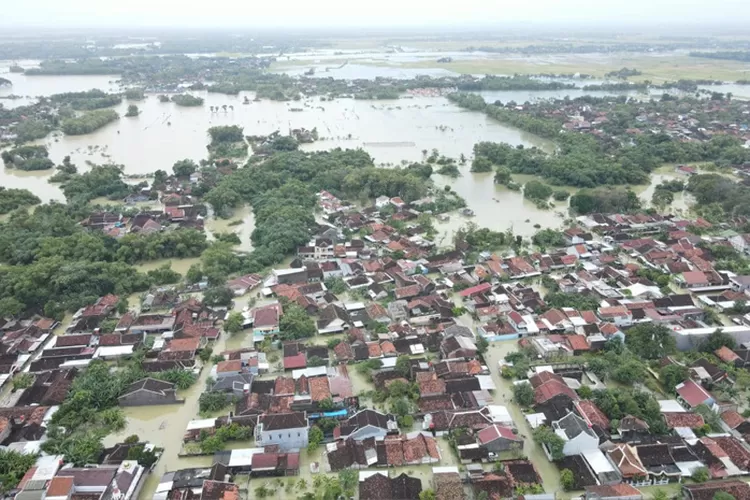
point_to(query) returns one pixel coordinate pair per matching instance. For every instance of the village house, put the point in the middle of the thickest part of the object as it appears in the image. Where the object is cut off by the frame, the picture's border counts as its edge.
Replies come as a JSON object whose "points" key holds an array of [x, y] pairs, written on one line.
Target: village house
{"points": [[148, 392], [287, 430]]}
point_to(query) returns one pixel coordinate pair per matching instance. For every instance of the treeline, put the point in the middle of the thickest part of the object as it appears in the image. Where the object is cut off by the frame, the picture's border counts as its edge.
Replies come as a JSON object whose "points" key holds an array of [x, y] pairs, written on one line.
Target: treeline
{"points": [[719, 197], [515, 82], [187, 100], [11, 199], [543, 127], [100, 180], [52, 264], [227, 141], [27, 158], [89, 122], [88, 100], [729, 55]]}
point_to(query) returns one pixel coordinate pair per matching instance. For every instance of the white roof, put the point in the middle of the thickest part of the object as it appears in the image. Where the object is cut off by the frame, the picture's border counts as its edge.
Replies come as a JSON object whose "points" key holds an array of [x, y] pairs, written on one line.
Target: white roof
{"points": [[685, 433], [47, 467], [444, 470], [530, 324], [309, 372], [389, 362], [26, 447], [243, 457], [598, 462], [670, 406], [113, 350], [536, 419], [354, 306], [499, 414], [75, 363], [291, 270], [417, 348], [205, 423], [485, 382]]}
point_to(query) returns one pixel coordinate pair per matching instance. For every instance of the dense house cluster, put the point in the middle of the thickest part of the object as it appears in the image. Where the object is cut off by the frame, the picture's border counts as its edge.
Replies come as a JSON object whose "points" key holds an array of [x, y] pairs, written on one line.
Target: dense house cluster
{"points": [[704, 120], [420, 320]]}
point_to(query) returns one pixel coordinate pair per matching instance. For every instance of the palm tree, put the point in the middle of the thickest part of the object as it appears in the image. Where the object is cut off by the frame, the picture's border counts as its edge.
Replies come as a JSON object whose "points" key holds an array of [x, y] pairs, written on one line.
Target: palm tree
{"points": [[231, 107], [224, 107]]}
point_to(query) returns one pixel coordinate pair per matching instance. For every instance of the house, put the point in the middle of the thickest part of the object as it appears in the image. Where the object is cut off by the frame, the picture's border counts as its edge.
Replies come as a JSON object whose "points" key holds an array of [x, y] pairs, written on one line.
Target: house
{"points": [[274, 464], [576, 433], [658, 461], [693, 394], [240, 286], [457, 347], [149, 391], [693, 279], [620, 491], [625, 459], [736, 422], [548, 386], [379, 486], [287, 430], [497, 438], [266, 319], [367, 424], [333, 319], [708, 491], [741, 243]]}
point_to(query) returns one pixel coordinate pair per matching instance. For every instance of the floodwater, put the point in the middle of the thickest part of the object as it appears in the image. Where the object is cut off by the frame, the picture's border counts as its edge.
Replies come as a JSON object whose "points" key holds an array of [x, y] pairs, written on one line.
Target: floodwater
{"points": [[346, 71], [495, 207], [244, 230]]}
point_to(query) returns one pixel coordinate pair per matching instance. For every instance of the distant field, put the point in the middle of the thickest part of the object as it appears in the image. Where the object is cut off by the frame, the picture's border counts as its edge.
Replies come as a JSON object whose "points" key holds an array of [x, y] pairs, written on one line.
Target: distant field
{"points": [[654, 68]]}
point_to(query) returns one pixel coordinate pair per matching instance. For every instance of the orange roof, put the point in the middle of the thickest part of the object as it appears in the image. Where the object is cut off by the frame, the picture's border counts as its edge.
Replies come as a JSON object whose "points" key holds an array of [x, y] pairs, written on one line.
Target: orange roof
{"points": [[60, 486], [578, 343], [229, 366], [184, 344], [319, 388], [726, 354]]}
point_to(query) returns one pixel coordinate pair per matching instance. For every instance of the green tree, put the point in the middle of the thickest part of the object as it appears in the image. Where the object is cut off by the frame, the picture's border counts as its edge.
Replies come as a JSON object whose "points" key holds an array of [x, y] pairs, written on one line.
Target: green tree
{"points": [[349, 479], [13, 466], [427, 495], [716, 340], [314, 438], [218, 296], [671, 375], [535, 190], [546, 436], [567, 480], [650, 341], [184, 168], [482, 344], [523, 393], [233, 323], [723, 495], [701, 475], [132, 111], [403, 366], [503, 176], [296, 323]]}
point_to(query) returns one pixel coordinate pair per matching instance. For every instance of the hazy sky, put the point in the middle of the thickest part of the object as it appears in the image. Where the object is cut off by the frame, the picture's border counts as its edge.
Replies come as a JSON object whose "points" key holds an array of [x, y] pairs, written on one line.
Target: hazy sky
{"points": [[347, 13]]}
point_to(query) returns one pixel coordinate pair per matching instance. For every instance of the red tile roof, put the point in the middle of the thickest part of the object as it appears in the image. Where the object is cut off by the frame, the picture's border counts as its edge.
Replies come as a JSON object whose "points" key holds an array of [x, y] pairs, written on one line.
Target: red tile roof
{"points": [[284, 385], [183, 345], [493, 432], [726, 354], [683, 419], [592, 414], [294, 362], [732, 419], [693, 393], [578, 343], [319, 388], [60, 486], [481, 288]]}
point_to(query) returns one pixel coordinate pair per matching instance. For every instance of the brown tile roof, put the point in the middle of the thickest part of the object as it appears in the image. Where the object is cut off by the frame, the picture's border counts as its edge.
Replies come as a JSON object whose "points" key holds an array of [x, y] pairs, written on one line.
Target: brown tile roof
{"points": [[626, 459], [683, 419], [343, 351], [387, 347], [283, 386], [448, 486], [622, 490], [737, 453], [183, 345], [732, 419], [374, 349], [726, 354], [433, 386], [591, 413], [60, 486], [319, 388], [707, 491]]}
